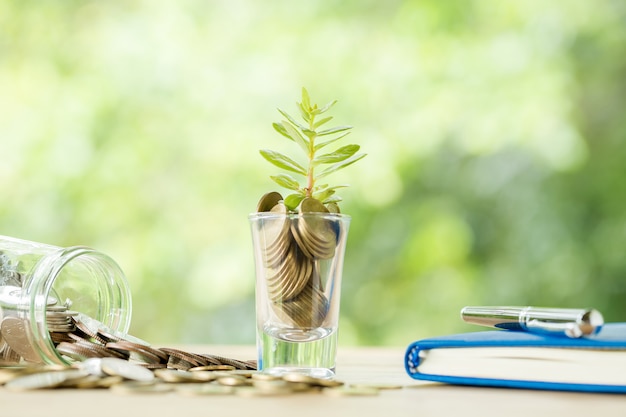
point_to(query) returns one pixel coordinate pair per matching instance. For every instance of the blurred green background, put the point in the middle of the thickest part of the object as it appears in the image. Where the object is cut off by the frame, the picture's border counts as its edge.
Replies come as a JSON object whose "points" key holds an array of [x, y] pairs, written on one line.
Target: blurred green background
{"points": [[495, 132]]}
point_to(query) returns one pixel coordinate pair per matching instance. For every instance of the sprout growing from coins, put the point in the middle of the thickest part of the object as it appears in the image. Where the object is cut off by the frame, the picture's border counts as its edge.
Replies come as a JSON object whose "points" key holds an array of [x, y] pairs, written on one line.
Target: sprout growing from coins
{"points": [[312, 139], [300, 237]]}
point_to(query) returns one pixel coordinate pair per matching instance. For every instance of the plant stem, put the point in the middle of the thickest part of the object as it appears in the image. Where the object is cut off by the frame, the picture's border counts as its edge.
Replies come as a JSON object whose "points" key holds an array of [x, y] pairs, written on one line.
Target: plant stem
{"points": [[310, 177]]}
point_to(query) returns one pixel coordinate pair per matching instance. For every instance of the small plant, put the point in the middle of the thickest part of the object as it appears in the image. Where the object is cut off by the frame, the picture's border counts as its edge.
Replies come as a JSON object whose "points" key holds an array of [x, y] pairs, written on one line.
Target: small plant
{"points": [[311, 138]]}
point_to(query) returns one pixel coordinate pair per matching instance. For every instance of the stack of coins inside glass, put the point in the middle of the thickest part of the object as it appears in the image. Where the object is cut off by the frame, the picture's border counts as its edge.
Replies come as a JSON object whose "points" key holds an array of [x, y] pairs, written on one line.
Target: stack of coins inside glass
{"points": [[294, 248]]}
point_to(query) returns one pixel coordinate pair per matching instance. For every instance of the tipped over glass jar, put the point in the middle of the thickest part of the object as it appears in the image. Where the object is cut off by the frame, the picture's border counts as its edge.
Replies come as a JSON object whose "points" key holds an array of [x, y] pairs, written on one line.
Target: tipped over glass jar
{"points": [[46, 290]]}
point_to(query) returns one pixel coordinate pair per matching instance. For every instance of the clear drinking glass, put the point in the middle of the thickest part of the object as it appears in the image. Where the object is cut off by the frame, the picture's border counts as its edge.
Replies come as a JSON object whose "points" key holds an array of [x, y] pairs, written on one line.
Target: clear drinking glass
{"points": [[299, 264]]}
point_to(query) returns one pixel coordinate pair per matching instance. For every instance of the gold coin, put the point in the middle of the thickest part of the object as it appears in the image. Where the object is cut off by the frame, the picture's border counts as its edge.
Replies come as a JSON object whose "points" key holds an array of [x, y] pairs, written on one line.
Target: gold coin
{"points": [[172, 375], [138, 387], [308, 310], [273, 233], [268, 201], [311, 380], [212, 368], [311, 205], [291, 278], [333, 208], [260, 376], [232, 381], [314, 233]]}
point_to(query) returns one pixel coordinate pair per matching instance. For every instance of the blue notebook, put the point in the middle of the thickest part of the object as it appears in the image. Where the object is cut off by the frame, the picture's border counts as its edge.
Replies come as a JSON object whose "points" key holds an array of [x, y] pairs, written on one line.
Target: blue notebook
{"points": [[515, 359]]}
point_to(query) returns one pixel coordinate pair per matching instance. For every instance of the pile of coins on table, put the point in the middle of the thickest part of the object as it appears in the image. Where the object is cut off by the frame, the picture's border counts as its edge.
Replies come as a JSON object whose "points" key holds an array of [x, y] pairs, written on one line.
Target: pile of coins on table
{"points": [[293, 248], [78, 337], [121, 376]]}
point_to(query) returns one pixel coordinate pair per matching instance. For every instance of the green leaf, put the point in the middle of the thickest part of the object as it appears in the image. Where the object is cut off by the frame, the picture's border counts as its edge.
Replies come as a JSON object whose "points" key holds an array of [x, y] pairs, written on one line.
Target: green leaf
{"points": [[340, 165], [334, 130], [339, 155], [335, 187], [286, 180], [324, 191], [280, 129], [282, 161], [291, 120], [292, 201], [333, 199], [297, 137], [306, 99], [322, 121], [324, 194], [325, 108], [328, 142], [304, 113], [309, 133]]}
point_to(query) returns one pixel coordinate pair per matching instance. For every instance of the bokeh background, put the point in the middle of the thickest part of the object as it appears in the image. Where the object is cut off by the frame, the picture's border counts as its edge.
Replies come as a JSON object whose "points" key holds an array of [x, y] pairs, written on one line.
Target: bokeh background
{"points": [[495, 133]]}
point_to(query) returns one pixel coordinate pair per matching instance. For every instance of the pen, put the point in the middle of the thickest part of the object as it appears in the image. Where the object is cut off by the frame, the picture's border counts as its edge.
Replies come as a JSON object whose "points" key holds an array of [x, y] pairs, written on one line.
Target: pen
{"points": [[568, 322]]}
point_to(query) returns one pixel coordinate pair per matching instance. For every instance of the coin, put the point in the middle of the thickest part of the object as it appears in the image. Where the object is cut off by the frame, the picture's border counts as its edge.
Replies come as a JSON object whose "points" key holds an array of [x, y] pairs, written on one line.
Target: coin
{"points": [[291, 278], [333, 208], [315, 234], [86, 332], [92, 366], [10, 356], [271, 385], [311, 380], [93, 381], [268, 201], [212, 368], [43, 380], [139, 387], [233, 381], [246, 373], [13, 332], [274, 235], [260, 376], [137, 352], [172, 375], [120, 367], [7, 374], [178, 357], [308, 310]]}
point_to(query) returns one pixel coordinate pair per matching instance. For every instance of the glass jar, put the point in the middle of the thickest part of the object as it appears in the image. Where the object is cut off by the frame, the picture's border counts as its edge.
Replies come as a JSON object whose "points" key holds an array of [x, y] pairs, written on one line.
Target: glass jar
{"points": [[44, 286]]}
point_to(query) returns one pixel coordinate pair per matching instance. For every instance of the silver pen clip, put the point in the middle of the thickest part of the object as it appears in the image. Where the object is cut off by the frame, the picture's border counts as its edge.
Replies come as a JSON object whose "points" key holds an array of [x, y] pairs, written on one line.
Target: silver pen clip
{"points": [[568, 322]]}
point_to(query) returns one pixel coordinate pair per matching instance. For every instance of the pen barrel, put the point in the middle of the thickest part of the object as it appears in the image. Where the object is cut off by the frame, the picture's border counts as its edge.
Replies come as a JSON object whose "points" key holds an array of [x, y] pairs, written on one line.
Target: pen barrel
{"points": [[554, 321], [562, 321], [499, 317]]}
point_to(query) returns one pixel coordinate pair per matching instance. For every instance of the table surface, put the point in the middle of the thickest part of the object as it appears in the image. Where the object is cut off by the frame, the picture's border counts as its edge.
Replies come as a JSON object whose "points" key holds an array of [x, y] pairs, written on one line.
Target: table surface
{"points": [[354, 365]]}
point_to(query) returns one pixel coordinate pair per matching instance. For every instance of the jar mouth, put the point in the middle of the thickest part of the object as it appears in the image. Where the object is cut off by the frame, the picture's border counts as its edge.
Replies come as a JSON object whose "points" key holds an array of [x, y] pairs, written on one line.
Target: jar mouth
{"points": [[83, 280]]}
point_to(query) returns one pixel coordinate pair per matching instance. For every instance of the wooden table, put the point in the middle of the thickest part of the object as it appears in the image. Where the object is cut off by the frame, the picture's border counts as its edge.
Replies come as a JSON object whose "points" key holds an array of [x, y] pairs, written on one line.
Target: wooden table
{"points": [[355, 365]]}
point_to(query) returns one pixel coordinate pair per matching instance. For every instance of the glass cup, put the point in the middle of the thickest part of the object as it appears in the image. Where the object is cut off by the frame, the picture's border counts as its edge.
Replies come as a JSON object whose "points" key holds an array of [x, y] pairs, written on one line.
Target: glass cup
{"points": [[299, 263]]}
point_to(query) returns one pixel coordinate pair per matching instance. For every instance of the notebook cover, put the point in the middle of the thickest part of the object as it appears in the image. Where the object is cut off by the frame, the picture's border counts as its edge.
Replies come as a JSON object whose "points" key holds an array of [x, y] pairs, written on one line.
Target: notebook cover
{"points": [[612, 336]]}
